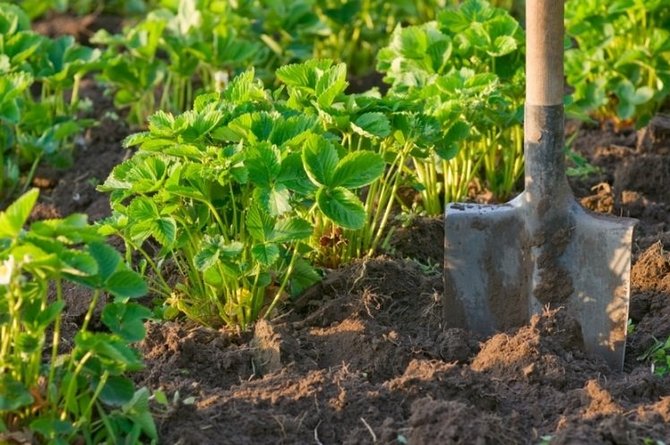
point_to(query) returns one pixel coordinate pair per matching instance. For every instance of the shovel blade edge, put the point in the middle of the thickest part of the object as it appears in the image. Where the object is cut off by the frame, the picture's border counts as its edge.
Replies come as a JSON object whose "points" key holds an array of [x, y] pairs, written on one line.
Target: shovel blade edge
{"points": [[598, 260]]}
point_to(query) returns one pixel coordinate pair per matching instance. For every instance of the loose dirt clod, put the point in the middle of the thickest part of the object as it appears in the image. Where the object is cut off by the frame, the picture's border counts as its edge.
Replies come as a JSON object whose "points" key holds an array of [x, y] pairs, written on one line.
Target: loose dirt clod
{"points": [[549, 351]]}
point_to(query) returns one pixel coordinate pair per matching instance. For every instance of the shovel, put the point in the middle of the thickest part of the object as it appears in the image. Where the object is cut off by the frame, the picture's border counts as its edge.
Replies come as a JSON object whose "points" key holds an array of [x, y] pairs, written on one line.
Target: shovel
{"points": [[504, 263]]}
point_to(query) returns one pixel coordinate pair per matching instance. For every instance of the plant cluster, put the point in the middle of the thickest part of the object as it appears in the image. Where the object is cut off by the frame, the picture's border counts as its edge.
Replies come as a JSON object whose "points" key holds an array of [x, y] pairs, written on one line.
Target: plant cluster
{"points": [[49, 394], [246, 192], [619, 66], [198, 45], [37, 127], [466, 69]]}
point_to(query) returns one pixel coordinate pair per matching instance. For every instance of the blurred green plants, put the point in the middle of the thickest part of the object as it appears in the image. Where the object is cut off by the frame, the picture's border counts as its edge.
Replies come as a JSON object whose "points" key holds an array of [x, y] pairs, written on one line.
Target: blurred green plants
{"points": [[39, 8], [619, 65], [37, 127]]}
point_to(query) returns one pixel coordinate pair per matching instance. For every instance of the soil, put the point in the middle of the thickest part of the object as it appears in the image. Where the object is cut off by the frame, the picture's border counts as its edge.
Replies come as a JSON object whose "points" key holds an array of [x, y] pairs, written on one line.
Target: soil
{"points": [[363, 357], [81, 28]]}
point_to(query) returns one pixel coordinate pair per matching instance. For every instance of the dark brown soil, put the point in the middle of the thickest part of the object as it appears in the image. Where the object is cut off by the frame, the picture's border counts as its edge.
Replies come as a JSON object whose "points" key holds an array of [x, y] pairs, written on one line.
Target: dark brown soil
{"points": [[370, 362], [81, 28], [73, 190]]}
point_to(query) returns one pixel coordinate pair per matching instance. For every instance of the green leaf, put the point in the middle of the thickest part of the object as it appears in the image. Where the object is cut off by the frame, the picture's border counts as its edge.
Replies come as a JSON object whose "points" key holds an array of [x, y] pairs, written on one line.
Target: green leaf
{"points": [[302, 75], [293, 175], [319, 159], [259, 224], [115, 353], [357, 169], [207, 257], [303, 276], [449, 146], [160, 124], [503, 45], [126, 284], [142, 209], [266, 254], [165, 230], [138, 410], [49, 315], [78, 263], [126, 320], [413, 42], [291, 229], [16, 215], [331, 84], [372, 125], [342, 207], [107, 257], [643, 95], [51, 427], [276, 199], [263, 163], [118, 391], [215, 248], [13, 394], [212, 276], [26, 343]]}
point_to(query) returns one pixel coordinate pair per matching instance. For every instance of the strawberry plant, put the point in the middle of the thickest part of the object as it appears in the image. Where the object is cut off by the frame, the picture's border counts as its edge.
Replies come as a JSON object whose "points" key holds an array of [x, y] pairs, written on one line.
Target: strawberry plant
{"points": [[174, 51], [131, 67], [392, 128], [659, 356], [49, 394], [12, 90], [61, 65], [466, 68], [241, 193], [219, 205], [620, 64]]}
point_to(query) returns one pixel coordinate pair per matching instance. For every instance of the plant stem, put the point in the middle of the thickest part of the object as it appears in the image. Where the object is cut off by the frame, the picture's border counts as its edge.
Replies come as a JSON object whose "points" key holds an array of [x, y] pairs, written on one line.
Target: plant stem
{"points": [[55, 342], [289, 272], [74, 98], [91, 309]]}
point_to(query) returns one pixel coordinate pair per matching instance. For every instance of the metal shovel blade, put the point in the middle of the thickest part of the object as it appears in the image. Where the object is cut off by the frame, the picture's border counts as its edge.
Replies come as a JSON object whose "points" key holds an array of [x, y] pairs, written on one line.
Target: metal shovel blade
{"points": [[505, 263], [497, 277]]}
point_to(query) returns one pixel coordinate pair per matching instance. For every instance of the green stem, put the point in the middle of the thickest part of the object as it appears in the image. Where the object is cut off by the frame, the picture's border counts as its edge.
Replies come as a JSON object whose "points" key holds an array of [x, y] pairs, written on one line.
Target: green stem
{"points": [[31, 174], [86, 417], [55, 342], [287, 276], [166, 289], [91, 309], [69, 393], [389, 206], [74, 98]]}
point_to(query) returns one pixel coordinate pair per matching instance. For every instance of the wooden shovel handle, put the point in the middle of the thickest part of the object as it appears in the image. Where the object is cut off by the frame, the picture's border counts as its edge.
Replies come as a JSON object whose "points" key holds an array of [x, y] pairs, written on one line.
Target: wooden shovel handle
{"points": [[544, 52]]}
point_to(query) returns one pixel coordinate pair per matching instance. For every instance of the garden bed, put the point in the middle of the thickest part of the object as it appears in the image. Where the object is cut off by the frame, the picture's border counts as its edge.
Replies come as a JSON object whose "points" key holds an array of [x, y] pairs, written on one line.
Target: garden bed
{"points": [[363, 357]]}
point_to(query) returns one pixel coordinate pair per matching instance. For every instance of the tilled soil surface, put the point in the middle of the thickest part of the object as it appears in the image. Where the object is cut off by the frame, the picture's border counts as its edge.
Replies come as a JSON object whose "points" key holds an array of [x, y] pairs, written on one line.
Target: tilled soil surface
{"points": [[369, 361]]}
